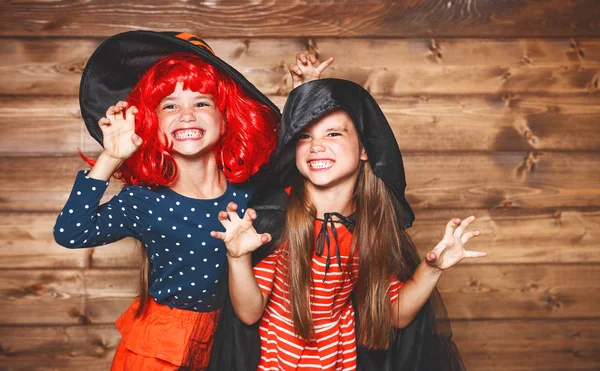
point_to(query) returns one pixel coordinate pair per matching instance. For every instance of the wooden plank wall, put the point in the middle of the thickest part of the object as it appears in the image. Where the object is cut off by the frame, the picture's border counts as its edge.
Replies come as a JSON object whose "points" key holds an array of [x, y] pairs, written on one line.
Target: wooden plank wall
{"points": [[495, 105]]}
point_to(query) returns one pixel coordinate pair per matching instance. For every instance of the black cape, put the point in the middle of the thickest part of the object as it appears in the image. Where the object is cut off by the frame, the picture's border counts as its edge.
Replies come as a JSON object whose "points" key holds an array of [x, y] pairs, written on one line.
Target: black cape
{"points": [[426, 343]]}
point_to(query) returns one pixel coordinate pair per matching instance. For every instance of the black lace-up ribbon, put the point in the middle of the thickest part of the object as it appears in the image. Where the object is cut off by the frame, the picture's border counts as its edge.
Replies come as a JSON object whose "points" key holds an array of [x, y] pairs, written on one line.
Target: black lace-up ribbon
{"points": [[324, 240]]}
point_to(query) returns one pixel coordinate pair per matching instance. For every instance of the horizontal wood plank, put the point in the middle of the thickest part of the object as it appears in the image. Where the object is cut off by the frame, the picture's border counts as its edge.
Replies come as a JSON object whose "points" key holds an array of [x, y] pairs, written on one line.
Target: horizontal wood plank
{"points": [[518, 236], [518, 291], [421, 124], [502, 180], [436, 181], [99, 296], [509, 236], [417, 18], [26, 241], [384, 66], [485, 345], [66, 296], [506, 336], [34, 66], [528, 345], [64, 347]]}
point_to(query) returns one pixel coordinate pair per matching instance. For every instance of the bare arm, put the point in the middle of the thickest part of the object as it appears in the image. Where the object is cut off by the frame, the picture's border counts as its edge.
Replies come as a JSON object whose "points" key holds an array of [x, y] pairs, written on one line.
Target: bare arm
{"points": [[447, 253], [241, 239], [248, 300], [414, 294]]}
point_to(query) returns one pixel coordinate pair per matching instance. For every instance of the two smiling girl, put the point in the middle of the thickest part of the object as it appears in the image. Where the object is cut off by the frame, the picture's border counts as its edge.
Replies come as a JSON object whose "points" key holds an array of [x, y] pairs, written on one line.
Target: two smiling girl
{"points": [[190, 141]]}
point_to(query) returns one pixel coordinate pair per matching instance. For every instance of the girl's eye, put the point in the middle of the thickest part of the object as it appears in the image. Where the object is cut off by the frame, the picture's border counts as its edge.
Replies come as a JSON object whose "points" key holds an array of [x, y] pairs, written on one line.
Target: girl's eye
{"points": [[303, 136], [202, 104], [334, 134], [169, 106]]}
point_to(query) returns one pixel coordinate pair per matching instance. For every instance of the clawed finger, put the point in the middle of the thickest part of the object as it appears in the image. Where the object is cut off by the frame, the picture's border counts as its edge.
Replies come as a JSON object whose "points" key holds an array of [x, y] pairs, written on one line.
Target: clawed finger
{"points": [[295, 70], [219, 235], [460, 229], [265, 237], [112, 113], [130, 114], [467, 236], [475, 254], [103, 122], [250, 215], [451, 226], [223, 216], [437, 251], [301, 57], [325, 64], [431, 256], [232, 211]]}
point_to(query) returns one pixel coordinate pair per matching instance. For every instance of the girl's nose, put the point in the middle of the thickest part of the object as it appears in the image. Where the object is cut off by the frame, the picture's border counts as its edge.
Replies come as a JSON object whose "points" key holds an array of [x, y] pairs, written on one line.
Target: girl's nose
{"points": [[316, 146], [187, 115]]}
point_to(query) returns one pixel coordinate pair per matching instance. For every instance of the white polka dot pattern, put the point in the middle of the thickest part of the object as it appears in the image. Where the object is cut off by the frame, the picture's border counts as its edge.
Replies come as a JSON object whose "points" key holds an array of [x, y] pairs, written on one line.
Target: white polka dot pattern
{"points": [[175, 230]]}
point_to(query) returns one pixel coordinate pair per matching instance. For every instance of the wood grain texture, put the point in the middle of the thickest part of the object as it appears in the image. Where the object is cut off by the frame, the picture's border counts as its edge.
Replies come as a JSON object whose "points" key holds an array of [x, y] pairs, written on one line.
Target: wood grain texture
{"points": [[384, 66], [495, 105], [528, 344], [66, 296], [518, 236], [509, 236], [417, 18], [99, 296], [34, 66], [436, 181], [485, 345], [26, 241], [510, 335], [421, 124], [58, 348], [518, 291]]}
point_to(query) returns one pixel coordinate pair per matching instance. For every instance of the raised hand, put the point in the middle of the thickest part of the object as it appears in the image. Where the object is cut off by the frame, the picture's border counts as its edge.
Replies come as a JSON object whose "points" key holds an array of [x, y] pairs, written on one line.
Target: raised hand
{"points": [[120, 140], [240, 237], [450, 250], [307, 68]]}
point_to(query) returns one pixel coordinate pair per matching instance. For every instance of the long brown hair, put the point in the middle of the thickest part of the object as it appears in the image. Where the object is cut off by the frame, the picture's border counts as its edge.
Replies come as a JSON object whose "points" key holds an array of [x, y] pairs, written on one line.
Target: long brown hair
{"points": [[298, 238], [383, 248], [144, 284]]}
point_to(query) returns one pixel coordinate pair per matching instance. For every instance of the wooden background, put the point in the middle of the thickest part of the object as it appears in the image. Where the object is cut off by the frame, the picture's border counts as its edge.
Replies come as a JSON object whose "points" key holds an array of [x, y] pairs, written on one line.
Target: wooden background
{"points": [[495, 104]]}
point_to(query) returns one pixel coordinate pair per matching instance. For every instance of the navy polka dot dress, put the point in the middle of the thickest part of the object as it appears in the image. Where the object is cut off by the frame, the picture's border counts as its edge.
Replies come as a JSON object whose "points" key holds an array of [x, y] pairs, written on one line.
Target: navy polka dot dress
{"points": [[186, 263]]}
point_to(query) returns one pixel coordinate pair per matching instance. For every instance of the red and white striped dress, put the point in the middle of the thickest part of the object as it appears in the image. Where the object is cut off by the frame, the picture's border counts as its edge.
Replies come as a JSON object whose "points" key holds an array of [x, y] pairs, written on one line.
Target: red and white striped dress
{"points": [[333, 346]]}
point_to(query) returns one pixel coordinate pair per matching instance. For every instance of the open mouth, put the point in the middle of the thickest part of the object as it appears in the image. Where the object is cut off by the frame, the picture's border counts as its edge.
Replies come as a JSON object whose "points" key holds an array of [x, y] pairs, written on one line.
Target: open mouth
{"points": [[183, 134], [320, 164]]}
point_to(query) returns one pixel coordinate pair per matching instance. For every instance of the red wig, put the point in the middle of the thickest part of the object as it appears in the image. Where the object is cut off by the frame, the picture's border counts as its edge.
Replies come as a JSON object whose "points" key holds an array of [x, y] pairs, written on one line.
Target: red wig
{"points": [[248, 140]]}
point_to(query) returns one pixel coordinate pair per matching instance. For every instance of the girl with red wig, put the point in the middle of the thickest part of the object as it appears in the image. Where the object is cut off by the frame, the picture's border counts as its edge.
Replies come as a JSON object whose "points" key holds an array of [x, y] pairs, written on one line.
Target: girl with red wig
{"points": [[188, 135]]}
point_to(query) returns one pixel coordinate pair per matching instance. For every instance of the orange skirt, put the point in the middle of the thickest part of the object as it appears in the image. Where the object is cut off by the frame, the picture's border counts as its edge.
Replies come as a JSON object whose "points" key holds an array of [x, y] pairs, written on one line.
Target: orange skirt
{"points": [[158, 339]]}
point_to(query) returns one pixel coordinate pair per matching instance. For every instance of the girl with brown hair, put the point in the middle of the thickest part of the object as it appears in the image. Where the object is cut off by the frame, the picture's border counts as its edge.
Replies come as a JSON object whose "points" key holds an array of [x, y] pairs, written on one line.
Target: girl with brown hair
{"points": [[332, 223]]}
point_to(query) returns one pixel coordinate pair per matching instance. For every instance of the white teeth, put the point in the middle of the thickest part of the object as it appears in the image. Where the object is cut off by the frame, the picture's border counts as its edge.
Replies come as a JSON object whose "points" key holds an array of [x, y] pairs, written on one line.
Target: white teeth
{"points": [[188, 133], [321, 164]]}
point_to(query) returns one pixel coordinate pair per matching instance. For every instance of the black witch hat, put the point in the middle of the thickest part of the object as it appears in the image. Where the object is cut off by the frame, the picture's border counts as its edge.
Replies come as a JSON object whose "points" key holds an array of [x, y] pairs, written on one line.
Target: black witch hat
{"points": [[118, 63], [315, 99]]}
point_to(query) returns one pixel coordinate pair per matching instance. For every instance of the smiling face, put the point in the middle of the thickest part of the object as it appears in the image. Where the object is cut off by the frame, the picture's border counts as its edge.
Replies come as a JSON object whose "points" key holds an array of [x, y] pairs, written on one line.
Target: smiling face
{"points": [[191, 122], [328, 151]]}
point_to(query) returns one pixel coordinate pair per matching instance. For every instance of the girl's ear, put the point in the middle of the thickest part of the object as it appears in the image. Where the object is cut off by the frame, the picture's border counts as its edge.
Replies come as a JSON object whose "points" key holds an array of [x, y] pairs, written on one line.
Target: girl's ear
{"points": [[223, 124], [363, 154]]}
